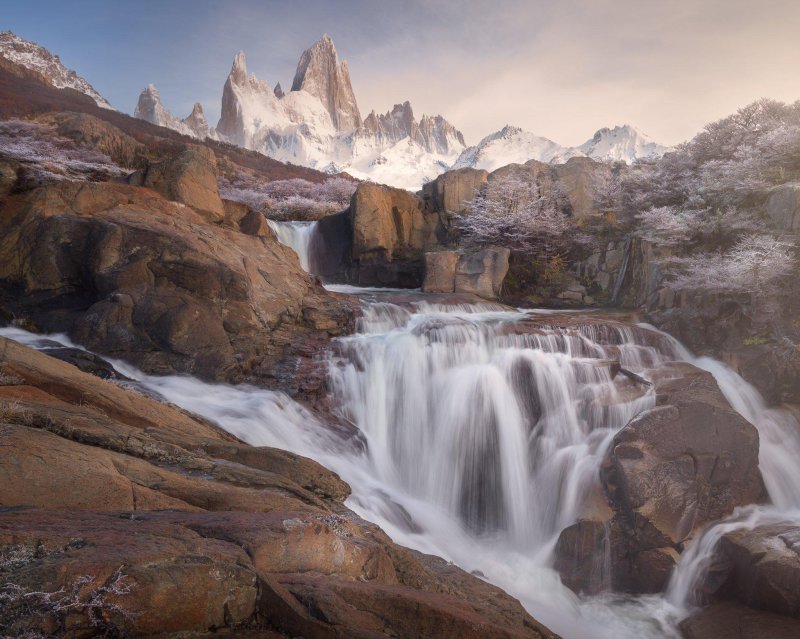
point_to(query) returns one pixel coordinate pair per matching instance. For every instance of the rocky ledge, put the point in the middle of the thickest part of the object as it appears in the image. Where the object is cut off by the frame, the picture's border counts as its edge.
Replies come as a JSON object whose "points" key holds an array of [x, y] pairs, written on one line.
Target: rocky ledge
{"points": [[129, 516]]}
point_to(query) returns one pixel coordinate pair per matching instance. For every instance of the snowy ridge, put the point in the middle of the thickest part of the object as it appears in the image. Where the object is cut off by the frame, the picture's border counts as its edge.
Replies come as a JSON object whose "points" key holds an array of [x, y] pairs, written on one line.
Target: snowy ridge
{"points": [[31, 56], [151, 109]]}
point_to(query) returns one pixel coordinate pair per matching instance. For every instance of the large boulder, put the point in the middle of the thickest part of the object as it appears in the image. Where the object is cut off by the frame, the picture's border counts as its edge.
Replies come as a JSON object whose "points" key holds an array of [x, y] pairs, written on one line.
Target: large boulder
{"points": [[672, 469], [189, 178], [142, 519], [578, 178], [478, 273], [391, 229], [783, 207], [90, 131], [129, 274], [452, 190], [440, 271], [482, 273]]}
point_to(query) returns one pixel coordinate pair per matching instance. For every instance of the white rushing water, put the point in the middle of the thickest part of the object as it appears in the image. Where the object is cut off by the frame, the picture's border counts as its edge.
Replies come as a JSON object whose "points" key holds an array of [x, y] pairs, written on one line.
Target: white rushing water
{"points": [[485, 431], [298, 236]]}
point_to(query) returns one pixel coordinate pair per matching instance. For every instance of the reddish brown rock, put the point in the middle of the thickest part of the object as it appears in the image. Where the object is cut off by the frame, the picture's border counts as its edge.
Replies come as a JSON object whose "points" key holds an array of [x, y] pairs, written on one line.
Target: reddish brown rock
{"points": [[129, 274]]}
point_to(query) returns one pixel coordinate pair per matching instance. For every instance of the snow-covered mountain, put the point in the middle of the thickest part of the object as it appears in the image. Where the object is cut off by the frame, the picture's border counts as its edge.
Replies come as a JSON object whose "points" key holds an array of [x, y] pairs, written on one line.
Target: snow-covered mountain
{"points": [[150, 108], [622, 143], [512, 145], [31, 56], [318, 123]]}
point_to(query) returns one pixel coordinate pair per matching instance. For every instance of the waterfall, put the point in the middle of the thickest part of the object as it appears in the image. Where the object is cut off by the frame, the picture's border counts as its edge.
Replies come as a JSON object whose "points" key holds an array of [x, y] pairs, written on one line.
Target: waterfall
{"points": [[623, 270], [298, 236], [485, 429]]}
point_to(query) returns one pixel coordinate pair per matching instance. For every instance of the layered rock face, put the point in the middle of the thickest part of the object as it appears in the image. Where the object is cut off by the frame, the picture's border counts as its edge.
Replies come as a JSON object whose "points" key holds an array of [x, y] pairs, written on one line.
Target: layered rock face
{"points": [[690, 460], [174, 526], [129, 273]]}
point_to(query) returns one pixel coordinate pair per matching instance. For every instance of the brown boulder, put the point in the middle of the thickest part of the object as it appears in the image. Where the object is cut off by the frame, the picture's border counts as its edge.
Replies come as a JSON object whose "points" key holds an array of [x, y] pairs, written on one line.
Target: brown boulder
{"points": [[759, 568], [129, 274], [482, 273], [440, 272], [189, 178]]}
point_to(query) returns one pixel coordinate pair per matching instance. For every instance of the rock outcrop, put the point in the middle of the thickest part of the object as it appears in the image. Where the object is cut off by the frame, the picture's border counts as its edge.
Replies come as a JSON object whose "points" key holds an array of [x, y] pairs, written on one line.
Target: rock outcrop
{"points": [[197, 122], [690, 460], [451, 191], [128, 273], [171, 525], [391, 229], [478, 273], [190, 178]]}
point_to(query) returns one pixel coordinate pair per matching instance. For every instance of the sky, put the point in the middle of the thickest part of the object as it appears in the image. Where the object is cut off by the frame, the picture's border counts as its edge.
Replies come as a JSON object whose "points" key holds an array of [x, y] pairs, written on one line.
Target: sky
{"points": [[557, 68]]}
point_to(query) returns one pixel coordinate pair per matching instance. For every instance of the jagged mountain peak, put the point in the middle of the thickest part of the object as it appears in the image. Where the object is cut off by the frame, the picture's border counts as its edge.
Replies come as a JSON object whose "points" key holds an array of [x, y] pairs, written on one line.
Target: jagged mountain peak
{"points": [[278, 91], [320, 74], [48, 65], [150, 108]]}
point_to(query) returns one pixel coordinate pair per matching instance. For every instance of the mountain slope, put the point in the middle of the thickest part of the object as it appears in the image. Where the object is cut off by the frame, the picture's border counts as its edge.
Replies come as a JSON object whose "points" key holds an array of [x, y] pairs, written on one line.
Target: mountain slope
{"points": [[31, 56]]}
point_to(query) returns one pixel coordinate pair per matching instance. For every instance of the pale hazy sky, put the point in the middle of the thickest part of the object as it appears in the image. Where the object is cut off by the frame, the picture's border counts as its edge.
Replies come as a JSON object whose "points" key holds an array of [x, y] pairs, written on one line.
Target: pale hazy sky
{"points": [[558, 68]]}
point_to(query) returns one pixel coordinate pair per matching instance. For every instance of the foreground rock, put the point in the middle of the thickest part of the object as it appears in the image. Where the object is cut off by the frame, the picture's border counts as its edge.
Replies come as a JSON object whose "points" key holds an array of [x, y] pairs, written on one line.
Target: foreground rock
{"points": [[690, 460], [729, 621], [155, 522], [132, 275]]}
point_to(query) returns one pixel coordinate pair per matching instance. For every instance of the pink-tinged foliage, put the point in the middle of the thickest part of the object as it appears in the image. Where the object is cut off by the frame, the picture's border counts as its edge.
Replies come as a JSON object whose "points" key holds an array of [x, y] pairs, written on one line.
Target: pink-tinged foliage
{"points": [[756, 264], [510, 211], [50, 156], [294, 199], [675, 226]]}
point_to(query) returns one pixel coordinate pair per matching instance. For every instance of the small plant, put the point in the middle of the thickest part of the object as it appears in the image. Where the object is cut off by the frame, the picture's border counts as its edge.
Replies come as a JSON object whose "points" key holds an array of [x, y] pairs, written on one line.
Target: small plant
{"points": [[80, 606], [756, 340]]}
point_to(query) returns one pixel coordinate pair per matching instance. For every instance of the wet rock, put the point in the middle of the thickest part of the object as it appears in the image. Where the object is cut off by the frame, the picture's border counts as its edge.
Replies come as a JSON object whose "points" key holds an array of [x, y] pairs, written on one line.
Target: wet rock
{"points": [[672, 469], [759, 568]]}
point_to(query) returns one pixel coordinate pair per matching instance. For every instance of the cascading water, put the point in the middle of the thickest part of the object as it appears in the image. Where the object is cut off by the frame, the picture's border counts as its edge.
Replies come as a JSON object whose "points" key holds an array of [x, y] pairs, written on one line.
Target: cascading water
{"points": [[485, 429], [298, 236]]}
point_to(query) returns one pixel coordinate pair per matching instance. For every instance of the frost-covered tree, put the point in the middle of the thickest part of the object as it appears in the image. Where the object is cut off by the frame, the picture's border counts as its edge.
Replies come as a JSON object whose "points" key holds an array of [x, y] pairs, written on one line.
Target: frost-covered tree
{"points": [[757, 264], [512, 211], [294, 199]]}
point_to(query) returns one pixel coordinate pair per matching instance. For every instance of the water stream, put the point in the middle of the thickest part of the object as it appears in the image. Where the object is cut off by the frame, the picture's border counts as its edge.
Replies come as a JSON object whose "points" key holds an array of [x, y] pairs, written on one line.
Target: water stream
{"points": [[485, 428]]}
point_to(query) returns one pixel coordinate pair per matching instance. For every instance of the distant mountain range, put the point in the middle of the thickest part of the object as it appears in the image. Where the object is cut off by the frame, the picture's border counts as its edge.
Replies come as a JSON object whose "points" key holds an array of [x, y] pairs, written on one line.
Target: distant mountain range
{"points": [[318, 124]]}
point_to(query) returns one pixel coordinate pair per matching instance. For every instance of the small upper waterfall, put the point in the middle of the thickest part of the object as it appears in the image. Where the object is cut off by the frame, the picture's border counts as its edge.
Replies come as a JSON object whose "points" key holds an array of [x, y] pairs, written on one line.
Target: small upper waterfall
{"points": [[298, 236]]}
